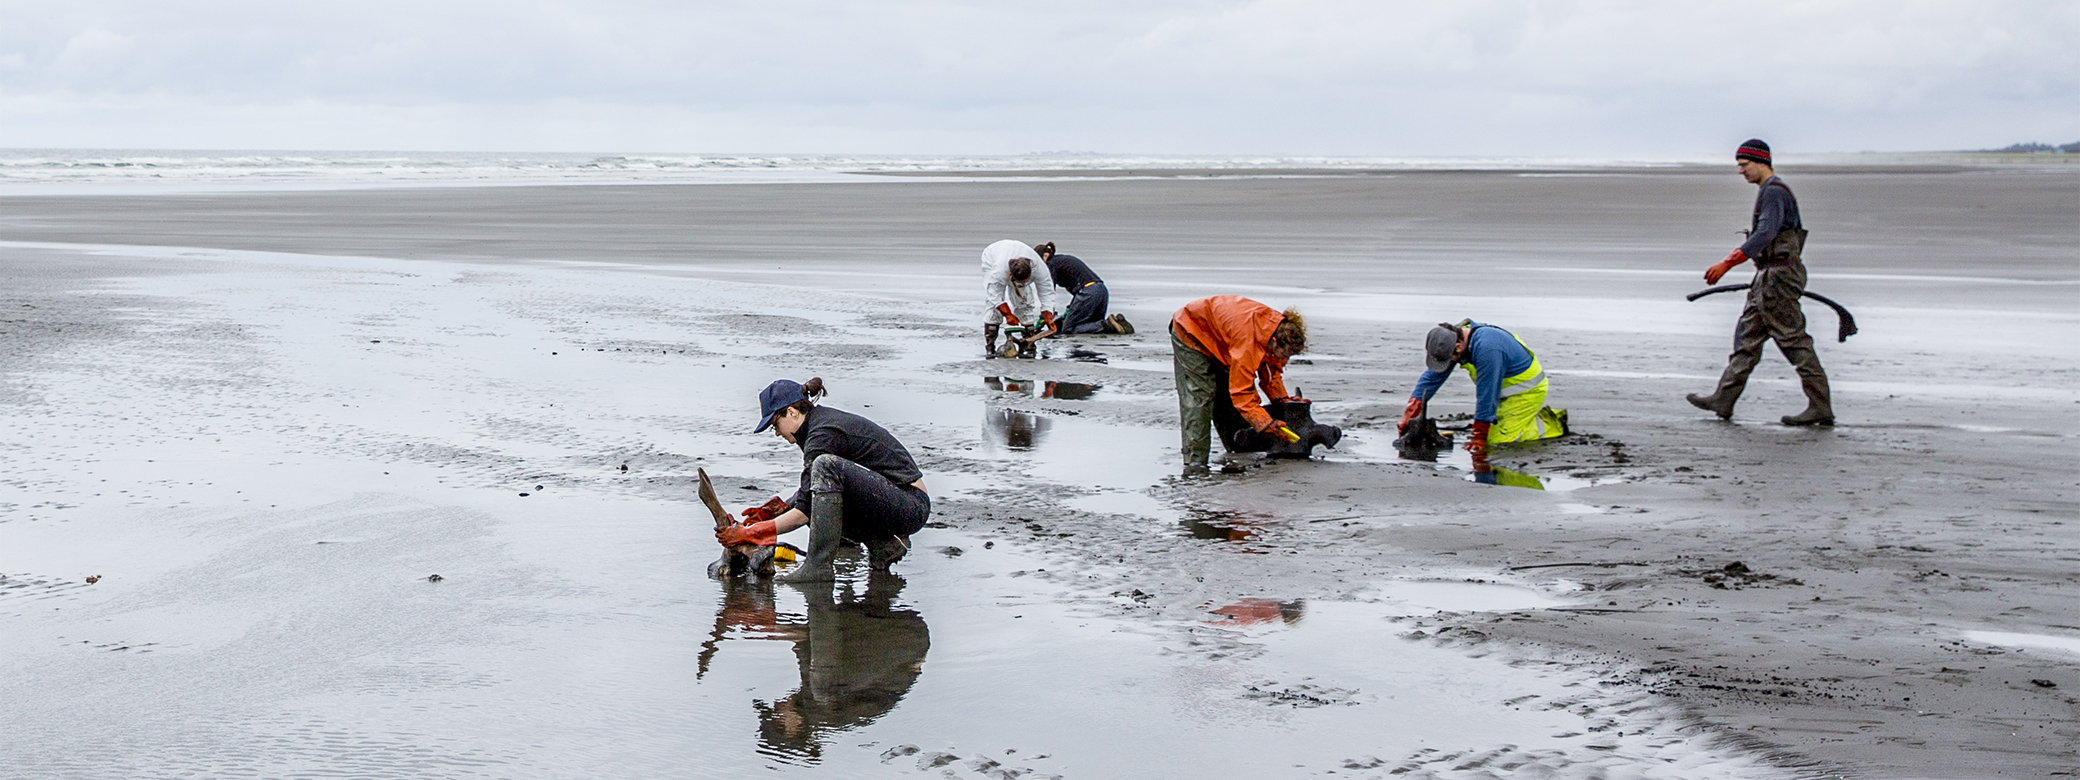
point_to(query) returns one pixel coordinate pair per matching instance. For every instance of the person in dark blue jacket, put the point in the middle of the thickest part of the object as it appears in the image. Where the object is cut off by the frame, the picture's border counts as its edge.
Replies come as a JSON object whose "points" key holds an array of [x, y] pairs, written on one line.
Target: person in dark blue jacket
{"points": [[1509, 386], [858, 484], [1089, 297]]}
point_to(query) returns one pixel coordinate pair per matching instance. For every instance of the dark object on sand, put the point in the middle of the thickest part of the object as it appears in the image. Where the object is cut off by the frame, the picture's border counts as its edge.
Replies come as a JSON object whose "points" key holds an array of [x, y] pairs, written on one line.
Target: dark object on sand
{"points": [[1847, 326], [434, 578], [1422, 441], [737, 560], [1297, 415]]}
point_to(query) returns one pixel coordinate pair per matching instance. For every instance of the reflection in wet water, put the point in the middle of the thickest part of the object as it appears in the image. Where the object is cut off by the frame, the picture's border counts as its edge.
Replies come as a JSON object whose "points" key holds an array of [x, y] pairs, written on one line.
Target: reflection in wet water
{"points": [[1455, 457], [1222, 526], [1066, 391], [858, 655], [1023, 431], [1508, 478], [1258, 611], [1015, 429]]}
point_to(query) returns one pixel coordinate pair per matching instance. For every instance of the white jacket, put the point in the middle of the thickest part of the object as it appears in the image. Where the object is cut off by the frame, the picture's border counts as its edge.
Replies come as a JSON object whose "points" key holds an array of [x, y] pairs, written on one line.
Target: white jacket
{"points": [[1027, 300]]}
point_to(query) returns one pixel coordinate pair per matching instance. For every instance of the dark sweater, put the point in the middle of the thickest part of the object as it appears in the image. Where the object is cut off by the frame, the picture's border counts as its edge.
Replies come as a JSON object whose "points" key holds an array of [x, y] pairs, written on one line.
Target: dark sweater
{"points": [[1775, 209], [854, 438], [1070, 273]]}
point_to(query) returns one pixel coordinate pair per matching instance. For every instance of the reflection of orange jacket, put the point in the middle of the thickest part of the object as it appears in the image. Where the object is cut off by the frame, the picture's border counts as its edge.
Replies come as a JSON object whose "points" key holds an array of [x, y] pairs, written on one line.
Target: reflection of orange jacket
{"points": [[1235, 331]]}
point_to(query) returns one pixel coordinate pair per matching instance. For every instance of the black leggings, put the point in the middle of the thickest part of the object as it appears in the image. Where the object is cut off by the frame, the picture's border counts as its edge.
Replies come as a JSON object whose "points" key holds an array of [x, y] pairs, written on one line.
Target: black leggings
{"points": [[875, 507]]}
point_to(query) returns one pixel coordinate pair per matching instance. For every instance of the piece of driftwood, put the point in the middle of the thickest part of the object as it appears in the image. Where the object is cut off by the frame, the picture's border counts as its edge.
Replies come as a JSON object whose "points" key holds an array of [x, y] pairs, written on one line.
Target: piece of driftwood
{"points": [[737, 560]]}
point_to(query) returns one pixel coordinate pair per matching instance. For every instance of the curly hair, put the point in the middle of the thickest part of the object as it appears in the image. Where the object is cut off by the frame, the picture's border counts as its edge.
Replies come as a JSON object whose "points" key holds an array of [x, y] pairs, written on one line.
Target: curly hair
{"points": [[1291, 332]]}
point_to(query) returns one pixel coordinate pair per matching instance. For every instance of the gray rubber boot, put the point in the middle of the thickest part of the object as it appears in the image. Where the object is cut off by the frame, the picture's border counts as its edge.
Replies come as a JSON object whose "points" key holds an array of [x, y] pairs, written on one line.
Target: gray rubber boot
{"points": [[1819, 401], [1711, 403], [826, 530], [883, 553], [989, 340]]}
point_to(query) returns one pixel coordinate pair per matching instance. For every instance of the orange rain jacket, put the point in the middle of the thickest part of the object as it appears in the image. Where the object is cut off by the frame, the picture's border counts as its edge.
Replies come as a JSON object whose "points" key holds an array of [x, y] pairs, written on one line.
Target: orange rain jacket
{"points": [[1235, 331]]}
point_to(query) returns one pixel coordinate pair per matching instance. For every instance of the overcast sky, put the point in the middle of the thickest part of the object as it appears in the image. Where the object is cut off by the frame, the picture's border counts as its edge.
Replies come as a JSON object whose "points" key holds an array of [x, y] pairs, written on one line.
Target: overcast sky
{"points": [[1645, 79]]}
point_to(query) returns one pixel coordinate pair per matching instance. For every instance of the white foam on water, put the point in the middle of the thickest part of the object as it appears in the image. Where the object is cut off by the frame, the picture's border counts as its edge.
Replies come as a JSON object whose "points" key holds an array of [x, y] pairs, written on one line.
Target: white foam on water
{"points": [[111, 171]]}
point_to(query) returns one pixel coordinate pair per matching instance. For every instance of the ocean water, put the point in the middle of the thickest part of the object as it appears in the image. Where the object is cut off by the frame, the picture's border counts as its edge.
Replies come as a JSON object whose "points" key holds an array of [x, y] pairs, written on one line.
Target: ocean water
{"points": [[43, 170]]}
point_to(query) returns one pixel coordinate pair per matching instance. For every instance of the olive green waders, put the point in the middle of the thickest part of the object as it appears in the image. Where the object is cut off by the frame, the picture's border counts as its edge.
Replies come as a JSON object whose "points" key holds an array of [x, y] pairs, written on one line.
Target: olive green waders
{"points": [[1200, 381], [1772, 313]]}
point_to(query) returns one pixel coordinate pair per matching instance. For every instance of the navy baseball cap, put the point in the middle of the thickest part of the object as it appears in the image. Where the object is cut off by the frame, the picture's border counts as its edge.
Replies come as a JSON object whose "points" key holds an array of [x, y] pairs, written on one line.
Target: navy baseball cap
{"points": [[779, 395]]}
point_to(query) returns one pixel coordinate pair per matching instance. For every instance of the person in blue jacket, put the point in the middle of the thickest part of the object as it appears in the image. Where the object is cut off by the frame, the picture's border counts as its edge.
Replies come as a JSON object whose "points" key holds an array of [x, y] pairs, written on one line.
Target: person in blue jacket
{"points": [[1089, 297], [1509, 386]]}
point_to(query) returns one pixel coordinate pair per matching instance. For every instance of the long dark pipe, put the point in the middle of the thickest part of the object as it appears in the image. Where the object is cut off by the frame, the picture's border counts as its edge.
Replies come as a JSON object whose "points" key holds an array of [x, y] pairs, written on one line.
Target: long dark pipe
{"points": [[1848, 321]]}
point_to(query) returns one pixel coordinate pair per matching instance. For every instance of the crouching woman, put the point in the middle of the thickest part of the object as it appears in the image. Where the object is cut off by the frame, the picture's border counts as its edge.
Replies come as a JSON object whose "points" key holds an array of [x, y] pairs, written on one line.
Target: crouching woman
{"points": [[859, 485]]}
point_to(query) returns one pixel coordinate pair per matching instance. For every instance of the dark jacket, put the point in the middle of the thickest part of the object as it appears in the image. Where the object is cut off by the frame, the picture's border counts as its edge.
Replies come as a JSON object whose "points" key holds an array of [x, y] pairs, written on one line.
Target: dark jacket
{"points": [[852, 437], [1775, 209], [1070, 273]]}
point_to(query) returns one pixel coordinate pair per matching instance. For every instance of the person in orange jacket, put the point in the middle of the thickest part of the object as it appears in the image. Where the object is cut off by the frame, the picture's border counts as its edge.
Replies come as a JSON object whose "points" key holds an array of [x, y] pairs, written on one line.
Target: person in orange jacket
{"points": [[1224, 349]]}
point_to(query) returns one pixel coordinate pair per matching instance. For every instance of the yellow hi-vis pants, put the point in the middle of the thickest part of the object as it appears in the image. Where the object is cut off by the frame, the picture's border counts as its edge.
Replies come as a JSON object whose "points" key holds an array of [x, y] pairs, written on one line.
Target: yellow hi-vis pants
{"points": [[1522, 414]]}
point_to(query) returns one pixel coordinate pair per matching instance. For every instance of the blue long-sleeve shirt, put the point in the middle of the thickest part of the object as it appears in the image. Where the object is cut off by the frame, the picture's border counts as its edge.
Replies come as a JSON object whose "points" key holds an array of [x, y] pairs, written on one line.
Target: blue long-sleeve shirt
{"points": [[1775, 209], [1494, 355]]}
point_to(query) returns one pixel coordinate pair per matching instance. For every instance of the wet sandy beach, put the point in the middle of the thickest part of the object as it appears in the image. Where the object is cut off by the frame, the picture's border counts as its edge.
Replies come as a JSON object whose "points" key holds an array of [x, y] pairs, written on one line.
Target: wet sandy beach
{"points": [[264, 419]]}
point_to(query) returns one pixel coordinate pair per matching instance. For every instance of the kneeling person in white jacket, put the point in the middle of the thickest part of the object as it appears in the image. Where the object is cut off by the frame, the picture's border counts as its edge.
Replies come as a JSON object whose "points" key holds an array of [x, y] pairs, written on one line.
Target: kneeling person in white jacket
{"points": [[1016, 290]]}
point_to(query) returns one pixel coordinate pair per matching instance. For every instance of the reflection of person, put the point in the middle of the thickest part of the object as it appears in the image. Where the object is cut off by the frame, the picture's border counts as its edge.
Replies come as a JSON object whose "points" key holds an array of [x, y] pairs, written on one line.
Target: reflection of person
{"points": [[1015, 429], [1255, 611], [1088, 296], [858, 484], [1509, 478], [859, 655], [1776, 239], [1509, 386], [1223, 349], [1016, 290]]}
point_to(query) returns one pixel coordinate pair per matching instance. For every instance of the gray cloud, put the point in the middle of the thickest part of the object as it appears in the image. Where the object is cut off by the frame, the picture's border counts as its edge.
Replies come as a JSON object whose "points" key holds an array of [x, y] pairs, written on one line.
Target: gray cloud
{"points": [[1271, 76]]}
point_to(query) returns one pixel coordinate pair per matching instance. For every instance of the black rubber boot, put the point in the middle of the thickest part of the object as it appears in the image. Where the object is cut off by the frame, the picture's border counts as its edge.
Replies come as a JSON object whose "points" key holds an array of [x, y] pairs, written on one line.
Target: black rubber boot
{"points": [[883, 553], [826, 530], [1711, 404]]}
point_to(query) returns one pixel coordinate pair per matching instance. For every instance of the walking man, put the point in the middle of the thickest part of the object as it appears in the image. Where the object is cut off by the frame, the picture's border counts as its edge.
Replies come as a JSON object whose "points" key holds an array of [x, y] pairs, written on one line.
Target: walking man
{"points": [[1775, 239]]}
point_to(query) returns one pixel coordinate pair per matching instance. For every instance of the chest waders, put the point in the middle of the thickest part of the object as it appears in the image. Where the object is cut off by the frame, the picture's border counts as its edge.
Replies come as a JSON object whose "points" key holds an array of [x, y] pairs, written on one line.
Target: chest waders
{"points": [[1521, 413]]}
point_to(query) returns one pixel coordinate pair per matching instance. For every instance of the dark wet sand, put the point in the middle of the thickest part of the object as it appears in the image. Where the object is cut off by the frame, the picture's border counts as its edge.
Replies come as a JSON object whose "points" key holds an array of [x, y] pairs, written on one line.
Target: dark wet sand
{"points": [[1929, 512]]}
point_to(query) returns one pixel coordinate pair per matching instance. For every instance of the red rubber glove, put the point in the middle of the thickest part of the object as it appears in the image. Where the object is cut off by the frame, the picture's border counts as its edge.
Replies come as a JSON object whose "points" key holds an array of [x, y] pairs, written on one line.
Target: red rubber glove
{"points": [[1283, 433], [773, 507], [1047, 318], [1719, 269], [1477, 446], [762, 533], [1009, 318], [1409, 415]]}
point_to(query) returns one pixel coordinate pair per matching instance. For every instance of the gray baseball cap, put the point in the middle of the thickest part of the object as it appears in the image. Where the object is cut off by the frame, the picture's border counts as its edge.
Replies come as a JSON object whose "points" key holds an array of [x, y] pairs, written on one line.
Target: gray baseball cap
{"points": [[1439, 346]]}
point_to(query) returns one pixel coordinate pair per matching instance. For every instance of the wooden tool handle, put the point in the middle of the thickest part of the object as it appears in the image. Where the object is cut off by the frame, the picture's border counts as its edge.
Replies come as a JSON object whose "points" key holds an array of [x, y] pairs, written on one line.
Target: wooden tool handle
{"points": [[723, 519]]}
